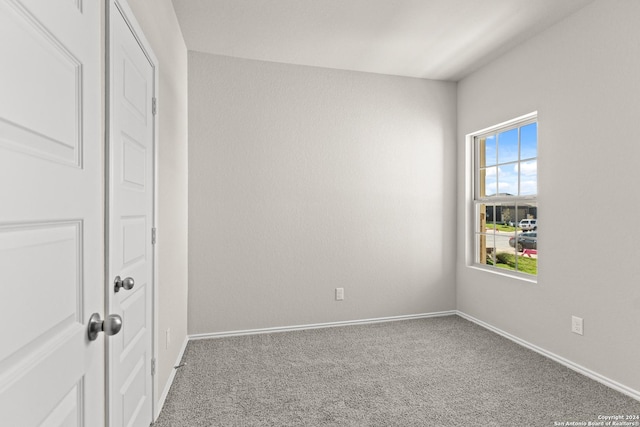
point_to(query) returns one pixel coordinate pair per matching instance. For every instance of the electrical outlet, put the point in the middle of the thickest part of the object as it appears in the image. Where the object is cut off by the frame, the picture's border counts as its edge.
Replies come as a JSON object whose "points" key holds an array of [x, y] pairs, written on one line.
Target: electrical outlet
{"points": [[339, 294], [577, 325], [168, 338]]}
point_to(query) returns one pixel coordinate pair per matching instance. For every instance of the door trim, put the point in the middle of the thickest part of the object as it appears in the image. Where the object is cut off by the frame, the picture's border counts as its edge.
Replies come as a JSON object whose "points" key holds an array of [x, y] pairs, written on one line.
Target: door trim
{"points": [[127, 13]]}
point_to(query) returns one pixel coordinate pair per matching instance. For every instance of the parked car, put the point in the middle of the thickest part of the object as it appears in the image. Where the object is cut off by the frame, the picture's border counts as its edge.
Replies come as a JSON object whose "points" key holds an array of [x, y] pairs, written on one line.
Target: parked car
{"points": [[528, 224], [527, 240]]}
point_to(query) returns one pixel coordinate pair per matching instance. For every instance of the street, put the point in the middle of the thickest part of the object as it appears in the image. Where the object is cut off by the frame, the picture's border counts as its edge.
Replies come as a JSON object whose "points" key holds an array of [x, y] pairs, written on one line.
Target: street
{"points": [[501, 243]]}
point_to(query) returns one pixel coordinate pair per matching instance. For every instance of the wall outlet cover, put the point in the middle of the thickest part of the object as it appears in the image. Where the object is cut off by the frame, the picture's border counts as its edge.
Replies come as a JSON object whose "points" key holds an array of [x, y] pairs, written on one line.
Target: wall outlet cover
{"points": [[577, 325]]}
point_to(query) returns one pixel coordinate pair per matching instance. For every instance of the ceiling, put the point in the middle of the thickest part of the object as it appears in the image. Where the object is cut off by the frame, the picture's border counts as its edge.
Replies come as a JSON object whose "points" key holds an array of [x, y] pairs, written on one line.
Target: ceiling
{"points": [[434, 39]]}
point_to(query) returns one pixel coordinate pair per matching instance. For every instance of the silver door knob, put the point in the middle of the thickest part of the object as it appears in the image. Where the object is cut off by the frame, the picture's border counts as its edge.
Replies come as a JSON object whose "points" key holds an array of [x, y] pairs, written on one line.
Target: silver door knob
{"points": [[110, 326], [127, 283]]}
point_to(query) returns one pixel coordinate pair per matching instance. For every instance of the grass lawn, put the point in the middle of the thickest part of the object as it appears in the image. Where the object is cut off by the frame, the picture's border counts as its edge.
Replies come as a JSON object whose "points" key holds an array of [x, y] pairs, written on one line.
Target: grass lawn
{"points": [[525, 264], [501, 227]]}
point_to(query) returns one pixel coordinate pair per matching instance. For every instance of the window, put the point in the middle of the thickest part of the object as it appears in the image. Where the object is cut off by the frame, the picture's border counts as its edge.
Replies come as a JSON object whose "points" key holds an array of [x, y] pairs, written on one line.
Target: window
{"points": [[505, 197]]}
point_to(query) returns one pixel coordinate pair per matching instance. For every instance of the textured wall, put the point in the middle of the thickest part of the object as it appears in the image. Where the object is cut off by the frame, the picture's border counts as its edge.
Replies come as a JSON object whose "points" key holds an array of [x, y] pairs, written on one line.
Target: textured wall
{"points": [[160, 26], [305, 179], [581, 75]]}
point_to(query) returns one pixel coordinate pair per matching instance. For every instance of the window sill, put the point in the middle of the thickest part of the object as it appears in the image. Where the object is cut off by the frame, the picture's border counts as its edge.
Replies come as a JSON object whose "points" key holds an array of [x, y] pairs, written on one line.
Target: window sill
{"points": [[522, 277]]}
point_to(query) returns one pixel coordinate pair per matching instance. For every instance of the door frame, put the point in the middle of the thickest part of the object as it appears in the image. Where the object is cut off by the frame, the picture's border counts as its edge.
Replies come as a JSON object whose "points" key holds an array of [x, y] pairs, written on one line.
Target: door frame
{"points": [[123, 7]]}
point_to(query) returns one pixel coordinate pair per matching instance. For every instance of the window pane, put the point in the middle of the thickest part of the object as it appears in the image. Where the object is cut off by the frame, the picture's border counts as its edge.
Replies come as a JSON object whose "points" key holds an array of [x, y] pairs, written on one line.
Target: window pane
{"points": [[527, 216], [489, 151], [486, 218], [508, 146], [528, 263], [490, 218], [526, 241], [486, 249], [505, 254], [529, 141], [481, 219], [488, 182], [529, 178], [508, 180], [507, 216]]}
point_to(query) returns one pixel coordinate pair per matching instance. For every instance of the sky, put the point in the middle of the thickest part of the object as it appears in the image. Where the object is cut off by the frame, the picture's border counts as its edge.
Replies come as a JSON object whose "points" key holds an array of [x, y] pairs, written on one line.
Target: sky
{"points": [[505, 158]]}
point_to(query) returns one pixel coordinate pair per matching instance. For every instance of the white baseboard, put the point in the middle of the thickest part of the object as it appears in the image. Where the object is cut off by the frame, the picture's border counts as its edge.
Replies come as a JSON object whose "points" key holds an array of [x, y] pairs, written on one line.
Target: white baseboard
{"points": [[319, 325], [635, 394], [167, 386]]}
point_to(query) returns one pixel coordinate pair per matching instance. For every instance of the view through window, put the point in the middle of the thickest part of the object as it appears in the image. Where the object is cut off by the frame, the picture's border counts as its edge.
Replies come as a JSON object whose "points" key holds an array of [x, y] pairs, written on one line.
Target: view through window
{"points": [[505, 197]]}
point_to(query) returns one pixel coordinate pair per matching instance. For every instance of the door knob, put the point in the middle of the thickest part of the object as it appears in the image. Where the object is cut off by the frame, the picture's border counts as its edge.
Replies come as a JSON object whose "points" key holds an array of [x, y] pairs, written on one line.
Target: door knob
{"points": [[127, 283], [110, 326]]}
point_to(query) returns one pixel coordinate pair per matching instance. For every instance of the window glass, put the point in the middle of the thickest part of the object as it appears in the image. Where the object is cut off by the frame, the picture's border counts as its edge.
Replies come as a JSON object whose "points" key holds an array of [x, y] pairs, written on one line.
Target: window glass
{"points": [[506, 210], [489, 181], [508, 146], [508, 179], [490, 153], [529, 141], [529, 178]]}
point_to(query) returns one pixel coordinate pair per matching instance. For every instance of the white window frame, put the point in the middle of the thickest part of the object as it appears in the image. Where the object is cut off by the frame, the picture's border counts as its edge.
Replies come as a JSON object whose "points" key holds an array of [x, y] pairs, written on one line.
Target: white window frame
{"points": [[473, 172]]}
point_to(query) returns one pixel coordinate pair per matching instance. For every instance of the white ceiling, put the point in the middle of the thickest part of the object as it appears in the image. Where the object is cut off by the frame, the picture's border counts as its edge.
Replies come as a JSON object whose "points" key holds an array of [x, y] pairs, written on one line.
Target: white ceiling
{"points": [[435, 39]]}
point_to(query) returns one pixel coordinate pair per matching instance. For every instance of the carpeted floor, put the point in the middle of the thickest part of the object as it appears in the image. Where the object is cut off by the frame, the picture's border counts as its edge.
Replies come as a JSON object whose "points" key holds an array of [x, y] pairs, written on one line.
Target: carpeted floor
{"points": [[443, 371]]}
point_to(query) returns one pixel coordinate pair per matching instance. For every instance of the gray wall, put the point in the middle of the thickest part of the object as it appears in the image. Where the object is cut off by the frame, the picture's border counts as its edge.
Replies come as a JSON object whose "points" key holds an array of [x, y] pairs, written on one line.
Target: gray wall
{"points": [[583, 77], [160, 26], [305, 179]]}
